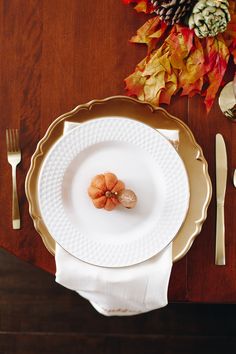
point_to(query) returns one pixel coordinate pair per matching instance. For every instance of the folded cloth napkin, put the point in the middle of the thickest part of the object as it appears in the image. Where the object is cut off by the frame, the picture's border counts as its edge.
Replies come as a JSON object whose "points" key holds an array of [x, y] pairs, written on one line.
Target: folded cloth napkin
{"points": [[119, 291]]}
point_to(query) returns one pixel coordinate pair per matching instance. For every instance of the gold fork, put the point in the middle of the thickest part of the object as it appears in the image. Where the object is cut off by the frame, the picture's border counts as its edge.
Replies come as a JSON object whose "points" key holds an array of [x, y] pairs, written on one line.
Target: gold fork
{"points": [[14, 157]]}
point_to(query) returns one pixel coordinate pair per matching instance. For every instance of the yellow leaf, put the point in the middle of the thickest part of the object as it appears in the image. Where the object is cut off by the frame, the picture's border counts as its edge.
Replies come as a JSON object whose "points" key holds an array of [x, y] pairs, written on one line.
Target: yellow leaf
{"points": [[153, 85], [150, 33]]}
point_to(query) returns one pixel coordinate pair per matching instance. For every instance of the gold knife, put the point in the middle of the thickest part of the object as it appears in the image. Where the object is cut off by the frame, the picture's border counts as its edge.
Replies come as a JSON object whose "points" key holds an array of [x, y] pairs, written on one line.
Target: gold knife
{"points": [[221, 179]]}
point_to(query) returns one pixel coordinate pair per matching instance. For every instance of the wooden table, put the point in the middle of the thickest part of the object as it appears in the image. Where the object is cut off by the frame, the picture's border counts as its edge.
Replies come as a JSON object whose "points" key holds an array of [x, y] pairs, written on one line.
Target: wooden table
{"points": [[58, 54]]}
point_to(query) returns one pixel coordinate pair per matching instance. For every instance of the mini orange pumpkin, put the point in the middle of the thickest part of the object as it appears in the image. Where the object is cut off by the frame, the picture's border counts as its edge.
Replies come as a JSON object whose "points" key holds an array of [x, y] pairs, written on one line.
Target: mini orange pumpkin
{"points": [[104, 189]]}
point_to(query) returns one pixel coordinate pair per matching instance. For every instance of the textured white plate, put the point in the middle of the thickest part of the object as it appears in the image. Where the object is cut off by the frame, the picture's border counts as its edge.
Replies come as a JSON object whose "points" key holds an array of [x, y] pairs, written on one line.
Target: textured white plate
{"points": [[144, 160]]}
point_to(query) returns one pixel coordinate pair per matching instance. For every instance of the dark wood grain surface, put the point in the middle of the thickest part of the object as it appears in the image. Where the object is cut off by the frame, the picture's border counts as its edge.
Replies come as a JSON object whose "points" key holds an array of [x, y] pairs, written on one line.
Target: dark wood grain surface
{"points": [[32, 323], [57, 54]]}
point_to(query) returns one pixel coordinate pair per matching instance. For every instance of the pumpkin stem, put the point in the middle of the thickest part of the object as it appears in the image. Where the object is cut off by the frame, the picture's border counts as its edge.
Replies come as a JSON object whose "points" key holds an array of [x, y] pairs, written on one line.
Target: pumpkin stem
{"points": [[109, 194]]}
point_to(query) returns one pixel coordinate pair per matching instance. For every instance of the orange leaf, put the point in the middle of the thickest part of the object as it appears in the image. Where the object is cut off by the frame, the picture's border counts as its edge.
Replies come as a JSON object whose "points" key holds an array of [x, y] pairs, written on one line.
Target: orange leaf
{"points": [[193, 89], [150, 33], [142, 5], [136, 81]]}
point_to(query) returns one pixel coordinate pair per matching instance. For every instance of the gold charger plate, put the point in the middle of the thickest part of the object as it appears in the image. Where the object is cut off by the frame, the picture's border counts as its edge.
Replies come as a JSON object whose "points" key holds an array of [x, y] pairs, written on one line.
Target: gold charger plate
{"points": [[190, 152]]}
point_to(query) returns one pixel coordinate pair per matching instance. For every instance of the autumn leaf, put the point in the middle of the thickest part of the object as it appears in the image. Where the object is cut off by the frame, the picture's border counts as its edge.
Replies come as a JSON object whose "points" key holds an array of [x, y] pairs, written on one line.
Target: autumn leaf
{"points": [[141, 5], [136, 81], [232, 50], [154, 79], [230, 35], [191, 76], [150, 33], [177, 60], [180, 45], [217, 57]]}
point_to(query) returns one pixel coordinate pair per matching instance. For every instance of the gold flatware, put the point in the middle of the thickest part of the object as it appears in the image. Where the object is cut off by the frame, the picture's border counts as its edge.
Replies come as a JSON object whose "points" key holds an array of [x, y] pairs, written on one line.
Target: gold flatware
{"points": [[221, 179], [14, 158], [227, 100]]}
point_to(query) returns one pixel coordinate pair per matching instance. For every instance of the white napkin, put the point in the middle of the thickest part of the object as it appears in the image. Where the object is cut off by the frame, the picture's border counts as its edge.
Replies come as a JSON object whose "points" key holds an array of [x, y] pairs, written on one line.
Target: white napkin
{"points": [[119, 291]]}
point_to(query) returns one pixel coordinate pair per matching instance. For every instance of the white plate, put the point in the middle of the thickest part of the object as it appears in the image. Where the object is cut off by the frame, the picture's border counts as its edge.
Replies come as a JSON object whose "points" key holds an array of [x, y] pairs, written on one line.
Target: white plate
{"points": [[144, 160]]}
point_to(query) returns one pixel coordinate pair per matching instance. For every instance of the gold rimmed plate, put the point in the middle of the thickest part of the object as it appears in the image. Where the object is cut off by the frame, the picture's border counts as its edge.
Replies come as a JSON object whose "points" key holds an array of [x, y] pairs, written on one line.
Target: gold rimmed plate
{"points": [[121, 106]]}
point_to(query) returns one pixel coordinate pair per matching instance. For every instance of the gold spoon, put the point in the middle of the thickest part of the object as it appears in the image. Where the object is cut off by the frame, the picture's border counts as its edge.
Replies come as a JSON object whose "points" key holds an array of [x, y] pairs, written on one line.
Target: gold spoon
{"points": [[227, 100]]}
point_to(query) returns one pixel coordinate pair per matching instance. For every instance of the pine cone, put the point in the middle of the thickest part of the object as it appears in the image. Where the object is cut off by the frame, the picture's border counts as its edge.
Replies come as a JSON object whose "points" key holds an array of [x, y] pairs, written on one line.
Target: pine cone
{"points": [[209, 17], [173, 11]]}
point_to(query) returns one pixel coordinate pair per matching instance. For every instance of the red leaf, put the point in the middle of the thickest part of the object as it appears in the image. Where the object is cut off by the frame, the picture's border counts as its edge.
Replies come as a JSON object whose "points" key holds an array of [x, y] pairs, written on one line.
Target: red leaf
{"points": [[217, 55], [232, 49]]}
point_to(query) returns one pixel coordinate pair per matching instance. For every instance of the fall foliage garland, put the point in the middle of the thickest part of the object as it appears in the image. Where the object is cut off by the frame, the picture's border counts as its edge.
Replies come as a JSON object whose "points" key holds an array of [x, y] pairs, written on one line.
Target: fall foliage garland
{"points": [[177, 60]]}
